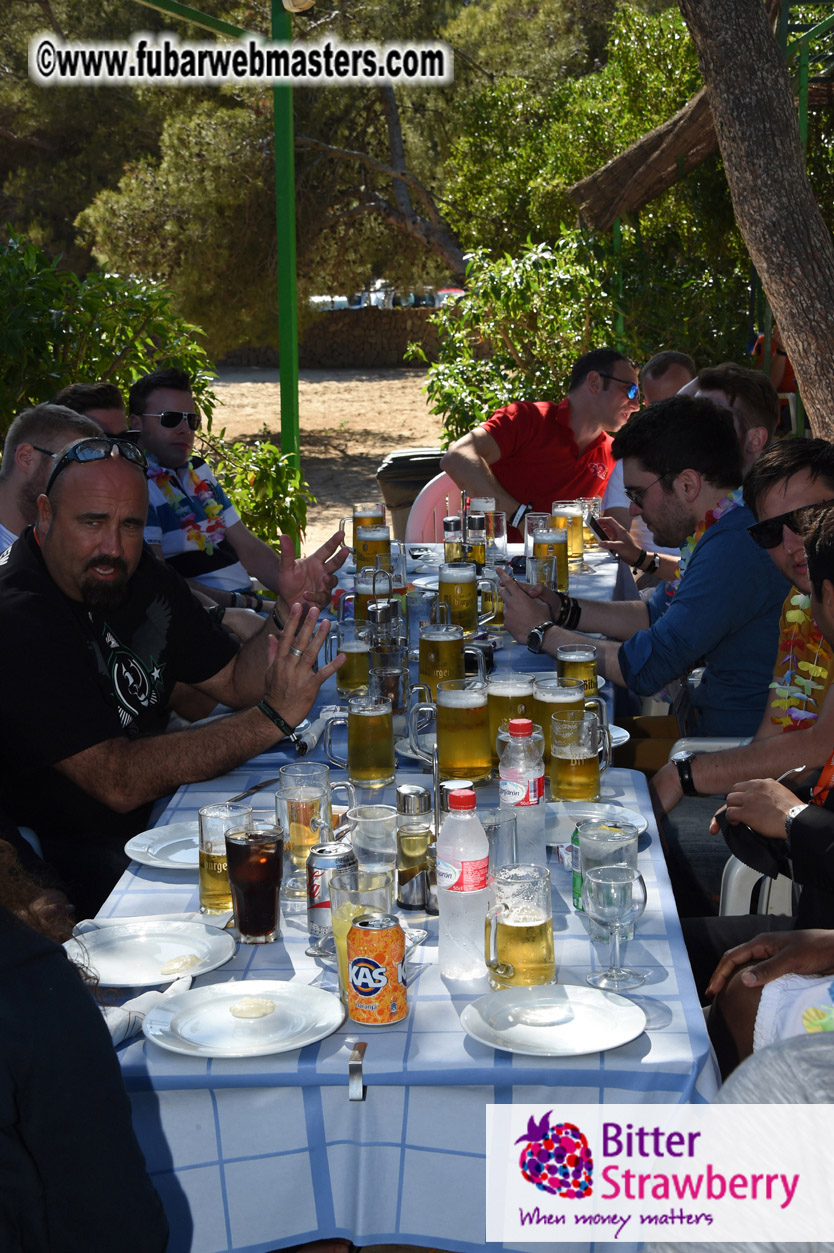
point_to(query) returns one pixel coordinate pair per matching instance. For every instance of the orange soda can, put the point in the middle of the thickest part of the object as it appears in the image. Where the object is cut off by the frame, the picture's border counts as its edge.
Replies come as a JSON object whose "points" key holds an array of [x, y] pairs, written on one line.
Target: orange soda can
{"points": [[376, 993]]}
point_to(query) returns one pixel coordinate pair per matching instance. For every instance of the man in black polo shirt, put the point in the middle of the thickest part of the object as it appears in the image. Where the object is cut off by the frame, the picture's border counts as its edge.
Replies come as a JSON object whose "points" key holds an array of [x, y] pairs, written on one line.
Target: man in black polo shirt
{"points": [[96, 633]]}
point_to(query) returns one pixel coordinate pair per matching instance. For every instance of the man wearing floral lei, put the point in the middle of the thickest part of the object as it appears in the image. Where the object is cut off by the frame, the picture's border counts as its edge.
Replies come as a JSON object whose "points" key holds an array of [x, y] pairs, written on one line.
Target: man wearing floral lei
{"points": [[681, 472], [193, 524], [786, 488]]}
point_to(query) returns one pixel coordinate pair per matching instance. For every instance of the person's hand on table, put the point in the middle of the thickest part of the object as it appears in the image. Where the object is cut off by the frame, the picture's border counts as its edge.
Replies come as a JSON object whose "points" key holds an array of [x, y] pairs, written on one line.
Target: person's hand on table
{"points": [[521, 611], [762, 803], [621, 544], [537, 591], [292, 684], [311, 579], [775, 953], [666, 787]]}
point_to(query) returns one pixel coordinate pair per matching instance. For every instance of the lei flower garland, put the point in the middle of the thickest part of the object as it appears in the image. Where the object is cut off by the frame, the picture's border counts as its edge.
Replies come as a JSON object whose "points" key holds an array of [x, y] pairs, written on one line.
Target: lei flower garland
{"points": [[803, 658], [205, 533], [725, 505]]}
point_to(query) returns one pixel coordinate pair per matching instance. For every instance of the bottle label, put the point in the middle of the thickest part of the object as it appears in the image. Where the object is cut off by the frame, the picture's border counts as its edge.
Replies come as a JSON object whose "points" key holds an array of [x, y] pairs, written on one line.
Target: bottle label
{"points": [[528, 791], [469, 876]]}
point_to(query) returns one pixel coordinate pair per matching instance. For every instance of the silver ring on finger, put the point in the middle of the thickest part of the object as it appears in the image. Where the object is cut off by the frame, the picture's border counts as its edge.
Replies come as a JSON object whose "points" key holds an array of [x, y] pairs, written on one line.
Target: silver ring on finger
{"points": [[296, 652]]}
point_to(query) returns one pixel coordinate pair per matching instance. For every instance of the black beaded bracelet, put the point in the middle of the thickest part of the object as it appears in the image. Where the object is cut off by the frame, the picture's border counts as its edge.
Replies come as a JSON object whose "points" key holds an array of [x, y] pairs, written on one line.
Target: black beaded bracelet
{"points": [[276, 619], [283, 726], [637, 564], [573, 617]]}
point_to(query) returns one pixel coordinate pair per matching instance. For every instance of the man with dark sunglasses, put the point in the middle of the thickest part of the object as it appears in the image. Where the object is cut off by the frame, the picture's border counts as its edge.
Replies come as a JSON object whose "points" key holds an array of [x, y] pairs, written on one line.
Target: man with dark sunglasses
{"points": [[96, 633], [530, 453], [193, 524], [786, 488]]}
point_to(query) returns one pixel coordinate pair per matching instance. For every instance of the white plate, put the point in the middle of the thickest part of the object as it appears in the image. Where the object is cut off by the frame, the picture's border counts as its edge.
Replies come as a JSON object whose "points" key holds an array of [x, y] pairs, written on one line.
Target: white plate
{"points": [[558, 1020], [175, 847], [131, 955], [199, 1022], [403, 747], [568, 813], [619, 735]]}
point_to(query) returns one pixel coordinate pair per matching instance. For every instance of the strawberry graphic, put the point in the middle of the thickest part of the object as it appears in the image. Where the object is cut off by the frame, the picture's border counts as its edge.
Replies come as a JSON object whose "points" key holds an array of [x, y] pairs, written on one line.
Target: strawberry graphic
{"points": [[556, 1158]]}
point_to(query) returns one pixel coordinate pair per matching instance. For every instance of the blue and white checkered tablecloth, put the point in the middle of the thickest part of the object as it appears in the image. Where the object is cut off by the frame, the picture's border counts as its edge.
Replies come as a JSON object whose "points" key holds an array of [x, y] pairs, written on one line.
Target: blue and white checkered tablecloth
{"points": [[254, 1154]]}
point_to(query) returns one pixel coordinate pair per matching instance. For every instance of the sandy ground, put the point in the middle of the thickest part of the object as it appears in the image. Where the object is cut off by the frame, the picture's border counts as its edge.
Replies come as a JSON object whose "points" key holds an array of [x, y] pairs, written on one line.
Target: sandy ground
{"points": [[349, 420]]}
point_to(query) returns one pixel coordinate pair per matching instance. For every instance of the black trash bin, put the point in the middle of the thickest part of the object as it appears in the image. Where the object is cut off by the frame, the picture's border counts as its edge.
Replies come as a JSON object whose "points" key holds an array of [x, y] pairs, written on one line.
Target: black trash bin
{"points": [[401, 477]]}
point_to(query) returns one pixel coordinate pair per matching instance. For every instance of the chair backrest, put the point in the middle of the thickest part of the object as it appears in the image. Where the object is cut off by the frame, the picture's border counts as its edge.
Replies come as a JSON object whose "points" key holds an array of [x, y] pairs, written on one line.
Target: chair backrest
{"points": [[436, 500], [737, 884]]}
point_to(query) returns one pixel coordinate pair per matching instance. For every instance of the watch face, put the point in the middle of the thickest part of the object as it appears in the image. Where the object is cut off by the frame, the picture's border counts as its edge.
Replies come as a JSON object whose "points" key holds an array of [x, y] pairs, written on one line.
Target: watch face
{"points": [[534, 640]]}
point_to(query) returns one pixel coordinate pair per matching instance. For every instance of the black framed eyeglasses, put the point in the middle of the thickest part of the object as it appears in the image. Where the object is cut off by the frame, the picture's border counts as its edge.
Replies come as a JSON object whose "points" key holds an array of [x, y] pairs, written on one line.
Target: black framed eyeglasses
{"points": [[768, 534], [47, 452], [99, 448], [632, 389], [171, 418], [636, 494]]}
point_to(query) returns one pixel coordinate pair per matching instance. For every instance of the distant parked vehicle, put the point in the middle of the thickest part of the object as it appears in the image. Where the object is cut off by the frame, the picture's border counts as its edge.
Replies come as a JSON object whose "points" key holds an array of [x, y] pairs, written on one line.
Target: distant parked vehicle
{"points": [[323, 304], [447, 294]]}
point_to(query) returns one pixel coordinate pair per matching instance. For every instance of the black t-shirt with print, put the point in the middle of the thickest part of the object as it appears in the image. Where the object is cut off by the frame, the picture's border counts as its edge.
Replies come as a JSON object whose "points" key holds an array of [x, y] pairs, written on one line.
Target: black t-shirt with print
{"points": [[71, 678]]}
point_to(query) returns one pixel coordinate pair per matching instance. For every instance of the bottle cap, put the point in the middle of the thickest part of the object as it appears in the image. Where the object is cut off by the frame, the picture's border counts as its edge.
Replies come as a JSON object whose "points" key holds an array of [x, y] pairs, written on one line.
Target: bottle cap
{"points": [[413, 799], [451, 525], [462, 800], [448, 787], [382, 612], [520, 727]]}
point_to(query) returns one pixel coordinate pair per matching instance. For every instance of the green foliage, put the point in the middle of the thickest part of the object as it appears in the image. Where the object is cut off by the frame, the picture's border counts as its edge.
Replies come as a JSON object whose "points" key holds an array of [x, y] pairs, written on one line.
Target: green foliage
{"points": [[56, 328], [268, 491]]}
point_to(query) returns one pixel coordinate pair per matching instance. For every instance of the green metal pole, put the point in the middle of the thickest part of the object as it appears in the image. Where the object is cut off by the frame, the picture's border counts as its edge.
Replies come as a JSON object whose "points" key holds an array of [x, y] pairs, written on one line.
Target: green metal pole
{"points": [[285, 230]]}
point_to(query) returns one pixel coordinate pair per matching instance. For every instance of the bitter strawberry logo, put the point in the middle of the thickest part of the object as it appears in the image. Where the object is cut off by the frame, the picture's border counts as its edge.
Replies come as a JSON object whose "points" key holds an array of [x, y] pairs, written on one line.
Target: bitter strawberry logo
{"points": [[556, 1158]]}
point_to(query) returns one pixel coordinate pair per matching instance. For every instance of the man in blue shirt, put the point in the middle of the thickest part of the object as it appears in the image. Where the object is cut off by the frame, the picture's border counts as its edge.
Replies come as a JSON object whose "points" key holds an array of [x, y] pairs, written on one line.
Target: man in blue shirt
{"points": [[681, 471]]}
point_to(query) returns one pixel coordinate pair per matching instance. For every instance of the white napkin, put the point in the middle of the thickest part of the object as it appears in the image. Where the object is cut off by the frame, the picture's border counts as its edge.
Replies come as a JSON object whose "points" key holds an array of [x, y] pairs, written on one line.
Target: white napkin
{"points": [[126, 1020], [209, 920]]}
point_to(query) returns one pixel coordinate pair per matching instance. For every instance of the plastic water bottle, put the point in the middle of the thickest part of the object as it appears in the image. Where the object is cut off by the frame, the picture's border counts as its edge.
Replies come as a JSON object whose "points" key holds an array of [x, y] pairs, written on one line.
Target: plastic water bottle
{"points": [[521, 788], [462, 864]]}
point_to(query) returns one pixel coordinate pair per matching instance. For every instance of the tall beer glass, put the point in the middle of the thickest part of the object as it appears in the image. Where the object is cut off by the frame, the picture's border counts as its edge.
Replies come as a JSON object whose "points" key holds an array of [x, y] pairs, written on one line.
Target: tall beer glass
{"points": [[370, 746], [214, 822], [365, 514], [568, 514], [551, 544], [442, 655], [519, 927], [554, 695], [458, 585], [578, 661], [509, 695], [350, 638], [575, 765], [373, 546]]}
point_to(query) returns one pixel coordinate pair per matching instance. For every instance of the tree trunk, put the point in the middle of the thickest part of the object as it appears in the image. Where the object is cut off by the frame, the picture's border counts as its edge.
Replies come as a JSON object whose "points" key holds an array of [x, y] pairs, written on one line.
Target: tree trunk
{"points": [[753, 111]]}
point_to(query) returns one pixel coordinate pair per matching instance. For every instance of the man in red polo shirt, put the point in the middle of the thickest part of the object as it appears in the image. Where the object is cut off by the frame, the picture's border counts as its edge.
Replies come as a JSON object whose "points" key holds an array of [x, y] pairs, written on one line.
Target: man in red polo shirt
{"points": [[534, 452]]}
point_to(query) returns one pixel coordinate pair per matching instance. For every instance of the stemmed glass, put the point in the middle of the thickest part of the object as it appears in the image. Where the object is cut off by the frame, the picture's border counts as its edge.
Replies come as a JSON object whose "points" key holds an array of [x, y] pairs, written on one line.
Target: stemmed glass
{"points": [[615, 897]]}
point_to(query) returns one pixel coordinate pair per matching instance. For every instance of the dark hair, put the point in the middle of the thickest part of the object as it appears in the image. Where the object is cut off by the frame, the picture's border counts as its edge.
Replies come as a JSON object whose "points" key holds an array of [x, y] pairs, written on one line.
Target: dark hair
{"points": [[658, 365], [819, 549], [600, 359], [44, 422], [85, 396], [683, 433], [782, 461], [172, 378], [753, 398]]}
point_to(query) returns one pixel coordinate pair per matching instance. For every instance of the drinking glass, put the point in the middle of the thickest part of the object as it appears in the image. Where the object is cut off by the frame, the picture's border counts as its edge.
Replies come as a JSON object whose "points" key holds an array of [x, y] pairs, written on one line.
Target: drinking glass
{"points": [[256, 865], [369, 584], [373, 546], [519, 927], [370, 742], [591, 507], [392, 682], [350, 638], [500, 828], [302, 809], [458, 586], [373, 836], [549, 558], [533, 522], [318, 773], [614, 897], [352, 893], [509, 695], [496, 537], [442, 655], [567, 514], [607, 843], [578, 661], [367, 514], [422, 609], [576, 746], [554, 695], [492, 602], [215, 821]]}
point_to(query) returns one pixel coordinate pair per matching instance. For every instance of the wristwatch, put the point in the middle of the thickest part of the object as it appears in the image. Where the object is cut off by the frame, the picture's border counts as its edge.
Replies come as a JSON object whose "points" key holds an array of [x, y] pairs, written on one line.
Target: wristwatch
{"points": [[683, 761], [789, 817], [535, 640]]}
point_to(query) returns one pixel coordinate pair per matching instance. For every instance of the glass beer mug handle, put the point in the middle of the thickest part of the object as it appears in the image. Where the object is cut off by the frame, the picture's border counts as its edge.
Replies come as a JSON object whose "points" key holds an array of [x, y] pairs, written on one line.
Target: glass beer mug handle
{"points": [[344, 601], [347, 787], [486, 585], [328, 741], [443, 612], [604, 748], [477, 653], [414, 713], [496, 911], [601, 709]]}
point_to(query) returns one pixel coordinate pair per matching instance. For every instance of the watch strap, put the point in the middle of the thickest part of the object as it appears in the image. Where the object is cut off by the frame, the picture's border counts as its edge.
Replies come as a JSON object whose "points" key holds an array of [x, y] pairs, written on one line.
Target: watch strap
{"points": [[539, 631], [684, 765], [791, 815]]}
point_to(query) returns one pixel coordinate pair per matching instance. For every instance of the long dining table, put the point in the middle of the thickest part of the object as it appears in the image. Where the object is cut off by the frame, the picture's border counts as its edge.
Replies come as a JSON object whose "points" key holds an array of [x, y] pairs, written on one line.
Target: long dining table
{"points": [[252, 1154]]}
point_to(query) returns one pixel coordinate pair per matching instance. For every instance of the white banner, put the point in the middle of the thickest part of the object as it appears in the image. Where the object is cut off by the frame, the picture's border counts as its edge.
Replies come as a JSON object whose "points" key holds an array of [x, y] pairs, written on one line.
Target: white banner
{"points": [[658, 1172]]}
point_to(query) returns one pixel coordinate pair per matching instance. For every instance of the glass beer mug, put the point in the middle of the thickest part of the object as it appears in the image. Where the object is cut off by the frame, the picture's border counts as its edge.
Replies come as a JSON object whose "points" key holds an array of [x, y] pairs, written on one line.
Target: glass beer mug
{"points": [[519, 927]]}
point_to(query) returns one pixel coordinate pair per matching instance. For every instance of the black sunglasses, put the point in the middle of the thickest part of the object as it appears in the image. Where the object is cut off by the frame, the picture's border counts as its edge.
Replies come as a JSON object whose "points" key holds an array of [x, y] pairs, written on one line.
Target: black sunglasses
{"points": [[171, 418], [768, 534], [99, 448], [632, 389]]}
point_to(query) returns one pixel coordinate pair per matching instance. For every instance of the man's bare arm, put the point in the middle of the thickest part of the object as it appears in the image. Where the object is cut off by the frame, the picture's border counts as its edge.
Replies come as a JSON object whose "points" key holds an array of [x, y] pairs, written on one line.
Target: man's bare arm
{"points": [[468, 462], [619, 619], [123, 773]]}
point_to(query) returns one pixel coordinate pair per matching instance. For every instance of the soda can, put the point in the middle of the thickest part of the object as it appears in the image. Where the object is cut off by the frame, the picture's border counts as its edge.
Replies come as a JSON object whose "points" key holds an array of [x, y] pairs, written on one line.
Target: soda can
{"points": [[322, 860], [376, 994]]}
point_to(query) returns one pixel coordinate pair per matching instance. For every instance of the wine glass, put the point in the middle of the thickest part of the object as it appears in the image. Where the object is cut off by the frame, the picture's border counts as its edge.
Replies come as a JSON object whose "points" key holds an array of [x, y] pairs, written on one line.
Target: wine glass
{"points": [[615, 897]]}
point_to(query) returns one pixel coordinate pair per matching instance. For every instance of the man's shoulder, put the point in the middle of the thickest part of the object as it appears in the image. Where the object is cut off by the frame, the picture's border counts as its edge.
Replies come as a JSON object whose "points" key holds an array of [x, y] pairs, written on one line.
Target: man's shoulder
{"points": [[536, 411]]}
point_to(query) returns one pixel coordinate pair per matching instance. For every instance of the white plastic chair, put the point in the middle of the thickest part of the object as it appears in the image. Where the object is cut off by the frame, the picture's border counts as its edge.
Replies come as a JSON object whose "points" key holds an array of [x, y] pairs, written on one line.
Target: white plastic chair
{"points": [[439, 497]]}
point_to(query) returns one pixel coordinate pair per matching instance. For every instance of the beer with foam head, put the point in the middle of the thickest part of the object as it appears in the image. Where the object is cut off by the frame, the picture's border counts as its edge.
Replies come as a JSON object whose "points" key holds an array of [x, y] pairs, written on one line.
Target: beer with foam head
{"points": [[370, 752], [458, 587], [578, 661], [441, 654], [524, 951], [508, 696], [373, 546], [369, 514], [551, 544], [574, 758], [553, 695], [568, 515], [463, 730]]}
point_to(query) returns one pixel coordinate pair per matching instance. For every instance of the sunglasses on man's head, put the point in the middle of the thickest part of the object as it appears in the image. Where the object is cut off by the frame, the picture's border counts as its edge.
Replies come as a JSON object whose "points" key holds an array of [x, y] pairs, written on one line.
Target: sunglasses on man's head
{"points": [[768, 534], [99, 448], [171, 418]]}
